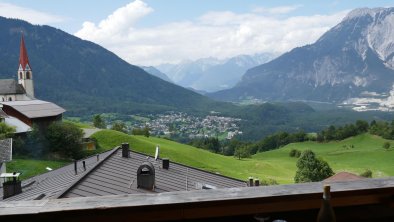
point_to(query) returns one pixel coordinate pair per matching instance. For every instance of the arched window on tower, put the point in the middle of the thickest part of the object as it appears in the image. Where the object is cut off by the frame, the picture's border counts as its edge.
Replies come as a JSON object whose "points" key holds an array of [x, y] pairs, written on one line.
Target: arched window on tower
{"points": [[20, 75], [9, 99], [27, 75]]}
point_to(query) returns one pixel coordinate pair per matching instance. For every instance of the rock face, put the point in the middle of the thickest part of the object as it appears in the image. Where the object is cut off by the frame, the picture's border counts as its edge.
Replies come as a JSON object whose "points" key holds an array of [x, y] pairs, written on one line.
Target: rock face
{"points": [[354, 58]]}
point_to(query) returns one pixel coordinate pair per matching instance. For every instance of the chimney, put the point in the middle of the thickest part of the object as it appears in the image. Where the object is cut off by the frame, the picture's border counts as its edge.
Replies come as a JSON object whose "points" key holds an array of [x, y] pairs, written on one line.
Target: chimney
{"points": [[146, 176], [250, 181], [256, 182], [12, 186], [125, 150], [166, 163]]}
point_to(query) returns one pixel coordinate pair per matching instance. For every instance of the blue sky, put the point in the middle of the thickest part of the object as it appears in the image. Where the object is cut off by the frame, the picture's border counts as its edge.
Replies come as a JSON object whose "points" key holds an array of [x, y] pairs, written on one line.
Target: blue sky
{"points": [[150, 32]]}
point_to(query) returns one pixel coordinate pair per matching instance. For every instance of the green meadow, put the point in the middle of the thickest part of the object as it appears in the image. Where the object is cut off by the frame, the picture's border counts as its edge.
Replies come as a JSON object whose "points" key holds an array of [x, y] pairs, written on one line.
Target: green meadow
{"points": [[32, 167], [354, 155]]}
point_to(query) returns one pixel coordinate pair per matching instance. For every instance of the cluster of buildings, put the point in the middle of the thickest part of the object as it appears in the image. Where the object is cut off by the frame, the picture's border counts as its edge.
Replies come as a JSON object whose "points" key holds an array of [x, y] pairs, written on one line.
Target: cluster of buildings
{"points": [[191, 126]]}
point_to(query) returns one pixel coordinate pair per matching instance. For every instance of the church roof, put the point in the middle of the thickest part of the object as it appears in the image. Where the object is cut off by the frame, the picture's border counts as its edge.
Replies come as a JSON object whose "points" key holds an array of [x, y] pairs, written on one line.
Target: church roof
{"points": [[35, 108], [10, 86], [23, 58]]}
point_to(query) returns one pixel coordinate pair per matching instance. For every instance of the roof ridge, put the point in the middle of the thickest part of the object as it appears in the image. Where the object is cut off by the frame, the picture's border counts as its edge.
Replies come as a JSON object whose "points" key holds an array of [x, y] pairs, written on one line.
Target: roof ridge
{"points": [[65, 191]]}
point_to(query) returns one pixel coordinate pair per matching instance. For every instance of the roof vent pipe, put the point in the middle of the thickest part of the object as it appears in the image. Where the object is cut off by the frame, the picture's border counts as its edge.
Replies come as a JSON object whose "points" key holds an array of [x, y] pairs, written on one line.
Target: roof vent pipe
{"points": [[125, 150], [166, 163], [250, 181], [84, 165], [256, 182], [75, 167]]}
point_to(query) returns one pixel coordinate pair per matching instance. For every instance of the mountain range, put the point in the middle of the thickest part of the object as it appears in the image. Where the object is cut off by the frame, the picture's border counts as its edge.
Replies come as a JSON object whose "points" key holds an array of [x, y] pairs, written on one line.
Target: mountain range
{"points": [[155, 72], [85, 78], [212, 74], [353, 60]]}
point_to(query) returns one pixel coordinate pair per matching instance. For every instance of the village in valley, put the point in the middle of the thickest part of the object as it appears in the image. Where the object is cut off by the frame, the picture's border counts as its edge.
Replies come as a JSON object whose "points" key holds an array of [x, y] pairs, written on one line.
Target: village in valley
{"points": [[188, 126], [93, 137]]}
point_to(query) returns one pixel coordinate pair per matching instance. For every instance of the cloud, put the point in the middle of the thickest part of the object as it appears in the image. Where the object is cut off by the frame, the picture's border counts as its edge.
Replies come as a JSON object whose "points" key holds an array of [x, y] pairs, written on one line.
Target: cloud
{"points": [[276, 10], [117, 26], [35, 17], [219, 34]]}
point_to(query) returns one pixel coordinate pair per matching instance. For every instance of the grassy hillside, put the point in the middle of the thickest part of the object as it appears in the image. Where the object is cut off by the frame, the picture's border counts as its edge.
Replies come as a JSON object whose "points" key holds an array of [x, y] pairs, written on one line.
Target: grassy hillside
{"points": [[185, 154], [354, 155], [367, 153]]}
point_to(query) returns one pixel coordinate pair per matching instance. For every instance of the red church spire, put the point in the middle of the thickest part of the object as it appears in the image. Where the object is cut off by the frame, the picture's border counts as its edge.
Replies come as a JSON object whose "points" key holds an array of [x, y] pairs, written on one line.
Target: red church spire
{"points": [[23, 59]]}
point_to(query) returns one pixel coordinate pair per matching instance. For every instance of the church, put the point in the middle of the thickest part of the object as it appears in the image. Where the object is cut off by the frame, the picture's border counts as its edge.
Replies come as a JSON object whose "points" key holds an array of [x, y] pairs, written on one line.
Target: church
{"points": [[18, 104], [10, 89]]}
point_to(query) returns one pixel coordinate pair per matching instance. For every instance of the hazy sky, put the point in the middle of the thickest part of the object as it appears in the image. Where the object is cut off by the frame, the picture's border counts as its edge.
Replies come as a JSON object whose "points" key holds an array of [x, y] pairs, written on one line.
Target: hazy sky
{"points": [[150, 32]]}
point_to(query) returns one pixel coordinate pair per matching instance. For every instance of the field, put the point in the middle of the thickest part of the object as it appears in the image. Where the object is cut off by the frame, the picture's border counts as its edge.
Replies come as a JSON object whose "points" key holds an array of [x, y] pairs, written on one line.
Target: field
{"points": [[353, 155]]}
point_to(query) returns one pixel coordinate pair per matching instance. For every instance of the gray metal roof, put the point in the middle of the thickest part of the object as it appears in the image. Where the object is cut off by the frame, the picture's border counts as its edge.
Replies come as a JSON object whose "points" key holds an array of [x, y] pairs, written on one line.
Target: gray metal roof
{"points": [[10, 86], [118, 175], [55, 182], [6, 150], [114, 174], [35, 108]]}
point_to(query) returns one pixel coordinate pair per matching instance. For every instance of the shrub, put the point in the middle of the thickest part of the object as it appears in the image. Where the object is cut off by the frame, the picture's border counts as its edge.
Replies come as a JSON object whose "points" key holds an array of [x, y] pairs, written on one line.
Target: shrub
{"points": [[295, 153], [367, 173], [268, 182], [386, 145], [292, 152], [119, 126]]}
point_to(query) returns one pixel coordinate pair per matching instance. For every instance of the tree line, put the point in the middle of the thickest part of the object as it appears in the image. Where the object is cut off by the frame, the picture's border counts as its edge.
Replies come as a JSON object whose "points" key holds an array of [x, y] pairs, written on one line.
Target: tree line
{"points": [[242, 149]]}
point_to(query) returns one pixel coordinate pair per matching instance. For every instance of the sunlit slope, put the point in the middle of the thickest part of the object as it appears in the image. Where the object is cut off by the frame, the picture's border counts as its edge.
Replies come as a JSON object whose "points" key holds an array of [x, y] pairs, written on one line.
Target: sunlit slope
{"points": [[354, 155], [192, 156], [367, 153]]}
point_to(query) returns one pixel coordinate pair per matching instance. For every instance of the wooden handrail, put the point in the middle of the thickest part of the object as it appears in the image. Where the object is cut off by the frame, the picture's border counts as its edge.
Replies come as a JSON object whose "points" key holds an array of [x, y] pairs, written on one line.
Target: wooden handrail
{"points": [[205, 203]]}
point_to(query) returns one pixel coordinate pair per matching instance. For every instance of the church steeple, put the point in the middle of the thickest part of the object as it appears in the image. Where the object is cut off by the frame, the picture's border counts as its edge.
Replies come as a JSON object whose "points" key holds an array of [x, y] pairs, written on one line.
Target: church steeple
{"points": [[23, 58], [25, 74]]}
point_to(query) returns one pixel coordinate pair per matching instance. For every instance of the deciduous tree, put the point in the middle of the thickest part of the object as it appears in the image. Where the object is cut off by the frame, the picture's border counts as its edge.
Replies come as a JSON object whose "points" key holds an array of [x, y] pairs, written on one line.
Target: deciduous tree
{"points": [[311, 169], [99, 122]]}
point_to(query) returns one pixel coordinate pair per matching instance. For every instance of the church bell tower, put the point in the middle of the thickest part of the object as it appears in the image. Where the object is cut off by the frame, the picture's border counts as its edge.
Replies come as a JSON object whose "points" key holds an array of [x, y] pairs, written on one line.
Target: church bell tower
{"points": [[25, 74]]}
